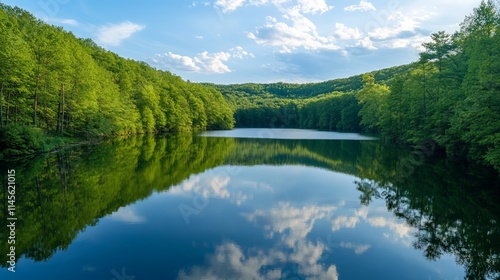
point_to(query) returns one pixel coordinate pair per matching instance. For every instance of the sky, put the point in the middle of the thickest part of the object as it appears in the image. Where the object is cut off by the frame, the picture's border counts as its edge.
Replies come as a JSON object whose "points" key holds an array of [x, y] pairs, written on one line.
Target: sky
{"points": [[261, 41]]}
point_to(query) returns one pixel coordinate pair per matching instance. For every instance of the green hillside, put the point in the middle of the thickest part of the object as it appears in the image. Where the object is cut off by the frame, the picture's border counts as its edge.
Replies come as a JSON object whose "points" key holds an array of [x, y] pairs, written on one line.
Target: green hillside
{"points": [[52, 83], [308, 90]]}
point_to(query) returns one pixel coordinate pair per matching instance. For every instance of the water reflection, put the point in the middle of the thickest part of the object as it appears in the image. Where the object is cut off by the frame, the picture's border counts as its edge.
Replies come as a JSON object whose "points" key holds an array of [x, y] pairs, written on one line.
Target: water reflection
{"points": [[127, 215], [282, 220], [452, 210], [229, 261]]}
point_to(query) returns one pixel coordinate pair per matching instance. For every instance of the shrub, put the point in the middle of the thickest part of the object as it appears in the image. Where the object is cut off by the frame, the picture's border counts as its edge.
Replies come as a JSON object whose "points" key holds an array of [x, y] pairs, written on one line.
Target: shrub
{"points": [[21, 139]]}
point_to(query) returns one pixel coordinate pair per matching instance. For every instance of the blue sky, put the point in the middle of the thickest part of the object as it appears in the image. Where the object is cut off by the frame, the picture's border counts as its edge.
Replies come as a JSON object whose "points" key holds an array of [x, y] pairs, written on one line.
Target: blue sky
{"points": [[237, 41]]}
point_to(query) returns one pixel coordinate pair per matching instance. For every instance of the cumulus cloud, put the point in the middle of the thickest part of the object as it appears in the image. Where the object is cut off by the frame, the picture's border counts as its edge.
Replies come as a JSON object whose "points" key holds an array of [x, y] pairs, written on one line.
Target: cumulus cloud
{"points": [[207, 187], [401, 30], [230, 261], [345, 33], [296, 222], [204, 62], [305, 6], [341, 222], [127, 215], [359, 249], [214, 62], [115, 34], [397, 24], [171, 60], [400, 229], [229, 5], [240, 53], [363, 6], [314, 6], [301, 33], [366, 43], [210, 187]]}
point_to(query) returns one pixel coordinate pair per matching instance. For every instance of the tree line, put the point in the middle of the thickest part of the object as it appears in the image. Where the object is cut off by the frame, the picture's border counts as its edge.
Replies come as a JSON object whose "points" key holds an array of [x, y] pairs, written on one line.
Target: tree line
{"points": [[450, 96], [329, 105], [56, 83]]}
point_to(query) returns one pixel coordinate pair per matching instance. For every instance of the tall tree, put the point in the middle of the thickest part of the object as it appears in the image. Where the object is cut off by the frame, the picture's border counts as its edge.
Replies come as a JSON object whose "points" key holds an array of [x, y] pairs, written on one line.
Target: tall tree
{"points": [[371, 98], [477, 121]]}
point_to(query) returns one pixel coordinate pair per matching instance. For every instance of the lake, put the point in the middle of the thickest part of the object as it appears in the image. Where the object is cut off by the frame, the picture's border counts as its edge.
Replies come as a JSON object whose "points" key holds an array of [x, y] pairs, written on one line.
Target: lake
{"points": [[251, 204]]}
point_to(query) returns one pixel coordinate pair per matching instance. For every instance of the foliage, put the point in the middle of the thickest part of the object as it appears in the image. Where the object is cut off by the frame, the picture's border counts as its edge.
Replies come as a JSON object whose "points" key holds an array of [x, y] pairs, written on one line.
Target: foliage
{"points": [[17, 138], [328, 105], [61, 85], [23, 139], [452, 97]]}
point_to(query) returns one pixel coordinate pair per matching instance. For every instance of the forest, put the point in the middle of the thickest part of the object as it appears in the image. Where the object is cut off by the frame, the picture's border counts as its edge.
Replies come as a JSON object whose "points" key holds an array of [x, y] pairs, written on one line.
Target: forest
{"points": [[450, 96], [54, 84]]}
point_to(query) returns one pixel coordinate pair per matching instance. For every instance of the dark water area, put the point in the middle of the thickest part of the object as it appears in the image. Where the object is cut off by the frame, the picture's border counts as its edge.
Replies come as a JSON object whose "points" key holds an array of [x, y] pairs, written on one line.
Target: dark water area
{"points": [[250, 204]]}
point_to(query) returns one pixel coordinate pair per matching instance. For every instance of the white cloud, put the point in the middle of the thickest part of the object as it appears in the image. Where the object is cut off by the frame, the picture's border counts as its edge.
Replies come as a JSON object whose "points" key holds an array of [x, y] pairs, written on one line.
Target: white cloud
{"points": [[345, 33], [240, 53], [127, 215], [358, 249], [397, 23], [214, 62], [229, 5], [176, 61], [229, 261], [305, 6], [301, 33], [366, 43], [65, 21], [115, 34], [349, 222], [296, 222], [344, 222], [401, 30], [204, 62], [210, 187], [401, 229], [314, 6], [207, 187], [363, 6]]}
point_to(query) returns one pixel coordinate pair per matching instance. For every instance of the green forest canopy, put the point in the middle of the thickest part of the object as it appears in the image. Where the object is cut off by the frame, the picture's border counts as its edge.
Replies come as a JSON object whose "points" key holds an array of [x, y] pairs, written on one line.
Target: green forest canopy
{"points": [[450, 96], [54, 83]]}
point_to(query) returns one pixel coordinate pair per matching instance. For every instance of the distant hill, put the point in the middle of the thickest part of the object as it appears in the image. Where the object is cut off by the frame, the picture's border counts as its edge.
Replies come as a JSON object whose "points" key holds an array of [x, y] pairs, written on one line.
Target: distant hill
{"points": [[294, 91]]}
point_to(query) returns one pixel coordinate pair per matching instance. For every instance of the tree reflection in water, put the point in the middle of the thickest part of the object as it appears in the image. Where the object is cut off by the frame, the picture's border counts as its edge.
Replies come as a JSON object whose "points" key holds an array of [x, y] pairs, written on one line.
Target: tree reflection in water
{"points": [[453, 206]]}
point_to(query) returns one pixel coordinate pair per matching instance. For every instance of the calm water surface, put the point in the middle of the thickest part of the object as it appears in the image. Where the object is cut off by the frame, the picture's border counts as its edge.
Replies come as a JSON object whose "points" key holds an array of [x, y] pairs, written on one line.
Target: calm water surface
{"points": [[252, 204]]}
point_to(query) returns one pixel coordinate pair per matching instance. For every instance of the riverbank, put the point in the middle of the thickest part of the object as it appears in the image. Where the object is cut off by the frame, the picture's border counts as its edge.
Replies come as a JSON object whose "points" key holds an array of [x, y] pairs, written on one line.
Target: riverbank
{"points": [[21, 140]]}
